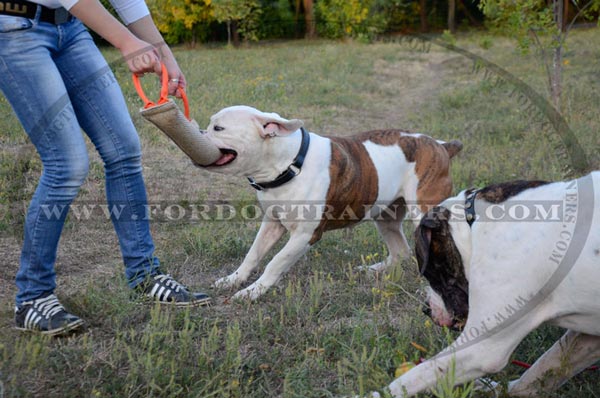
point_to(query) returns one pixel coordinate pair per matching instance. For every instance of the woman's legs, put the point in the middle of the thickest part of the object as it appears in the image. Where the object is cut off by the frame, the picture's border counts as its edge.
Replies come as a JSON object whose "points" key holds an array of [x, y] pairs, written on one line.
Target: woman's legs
{"points": [[56, 80], [103, 115], [33, 85]]}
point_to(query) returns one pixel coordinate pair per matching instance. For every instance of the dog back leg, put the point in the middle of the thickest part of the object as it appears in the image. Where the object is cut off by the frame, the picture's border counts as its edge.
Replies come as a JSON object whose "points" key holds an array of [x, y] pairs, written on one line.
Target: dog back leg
{"points": [[570, 355], [393, 236], [280, 264], [269, 233]]}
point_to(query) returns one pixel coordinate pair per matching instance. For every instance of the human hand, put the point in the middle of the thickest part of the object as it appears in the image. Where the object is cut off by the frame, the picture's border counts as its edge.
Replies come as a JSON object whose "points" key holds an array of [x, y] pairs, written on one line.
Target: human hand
{"points": [[141, 57], [176, 78]]}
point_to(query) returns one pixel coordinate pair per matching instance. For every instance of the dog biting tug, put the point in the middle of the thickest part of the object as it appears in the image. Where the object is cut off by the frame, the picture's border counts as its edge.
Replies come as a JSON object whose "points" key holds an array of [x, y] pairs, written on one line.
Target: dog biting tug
{"points": [[185, 133], [179, 127], [308, 184]]}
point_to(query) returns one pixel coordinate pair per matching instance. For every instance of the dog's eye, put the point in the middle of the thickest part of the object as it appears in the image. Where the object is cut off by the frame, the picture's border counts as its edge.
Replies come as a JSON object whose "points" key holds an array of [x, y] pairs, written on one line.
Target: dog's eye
{"points": [[219, 128]]}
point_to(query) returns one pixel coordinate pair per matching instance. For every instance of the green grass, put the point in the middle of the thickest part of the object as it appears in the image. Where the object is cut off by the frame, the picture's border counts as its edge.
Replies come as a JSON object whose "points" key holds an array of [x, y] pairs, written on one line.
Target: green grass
{"points": [[327, 330]]}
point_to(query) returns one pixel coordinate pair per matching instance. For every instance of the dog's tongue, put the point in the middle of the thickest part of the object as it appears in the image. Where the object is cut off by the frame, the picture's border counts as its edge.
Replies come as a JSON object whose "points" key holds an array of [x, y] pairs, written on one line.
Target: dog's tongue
{"points": [[224, 159]]}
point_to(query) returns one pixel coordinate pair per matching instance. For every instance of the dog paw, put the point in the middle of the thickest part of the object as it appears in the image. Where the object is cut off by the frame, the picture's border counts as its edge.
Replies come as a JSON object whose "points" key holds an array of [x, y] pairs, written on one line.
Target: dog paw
{"points": [[487, 385], [373, 394], [375, 268], [252, 292], [227, 282]]}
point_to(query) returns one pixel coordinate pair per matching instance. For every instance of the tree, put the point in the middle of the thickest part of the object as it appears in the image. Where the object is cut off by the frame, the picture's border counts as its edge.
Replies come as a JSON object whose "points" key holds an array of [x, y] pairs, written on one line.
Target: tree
{"points": [[452, 16], [423, 15], [182, 20], [241, 16], [309, 17], [310, 22], [350, 18], [541, 24]]}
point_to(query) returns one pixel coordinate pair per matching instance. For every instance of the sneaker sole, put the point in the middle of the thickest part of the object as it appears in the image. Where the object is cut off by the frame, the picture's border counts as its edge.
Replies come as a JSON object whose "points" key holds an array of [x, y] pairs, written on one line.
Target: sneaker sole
{"points": [[196, 303], [190, 304], [55, 332]]}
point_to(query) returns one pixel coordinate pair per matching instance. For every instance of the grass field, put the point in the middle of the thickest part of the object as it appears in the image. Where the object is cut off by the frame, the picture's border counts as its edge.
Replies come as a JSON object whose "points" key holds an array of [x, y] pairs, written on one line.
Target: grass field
{"points": [[328, 330]]}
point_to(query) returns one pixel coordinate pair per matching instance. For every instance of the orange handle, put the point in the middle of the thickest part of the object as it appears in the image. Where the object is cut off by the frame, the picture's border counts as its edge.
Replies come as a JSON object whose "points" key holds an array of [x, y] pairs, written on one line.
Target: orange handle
{"points": [[164, 92]]}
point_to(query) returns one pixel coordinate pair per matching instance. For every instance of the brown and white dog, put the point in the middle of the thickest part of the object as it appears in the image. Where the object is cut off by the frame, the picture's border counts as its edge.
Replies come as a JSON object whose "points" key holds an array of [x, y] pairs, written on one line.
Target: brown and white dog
{"points": [[500, 262], [308, 184]]}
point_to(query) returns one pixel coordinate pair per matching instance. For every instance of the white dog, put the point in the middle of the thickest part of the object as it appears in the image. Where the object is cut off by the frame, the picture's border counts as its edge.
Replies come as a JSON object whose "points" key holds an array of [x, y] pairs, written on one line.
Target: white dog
{"points": [[308, 184], [500, 262]]}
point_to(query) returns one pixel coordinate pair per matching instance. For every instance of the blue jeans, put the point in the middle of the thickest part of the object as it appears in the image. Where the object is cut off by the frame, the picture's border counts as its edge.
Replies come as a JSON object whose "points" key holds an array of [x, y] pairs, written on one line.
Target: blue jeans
{"points": [[58, 83]]}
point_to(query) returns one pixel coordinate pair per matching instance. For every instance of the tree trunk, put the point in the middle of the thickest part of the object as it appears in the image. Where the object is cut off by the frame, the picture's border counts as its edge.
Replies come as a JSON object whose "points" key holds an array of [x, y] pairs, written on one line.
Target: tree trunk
{"points": [[556, 73], [463, 7], [309, 17], [565, 20], [423, 15], [556, 78], [235, 33], [194, 39], [229, 32], [452, 16], [297, 17]]}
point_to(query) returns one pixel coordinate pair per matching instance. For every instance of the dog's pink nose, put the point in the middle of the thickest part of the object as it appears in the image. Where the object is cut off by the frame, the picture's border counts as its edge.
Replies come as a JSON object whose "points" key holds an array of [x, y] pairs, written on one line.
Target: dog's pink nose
{"points": [[439, 314]]}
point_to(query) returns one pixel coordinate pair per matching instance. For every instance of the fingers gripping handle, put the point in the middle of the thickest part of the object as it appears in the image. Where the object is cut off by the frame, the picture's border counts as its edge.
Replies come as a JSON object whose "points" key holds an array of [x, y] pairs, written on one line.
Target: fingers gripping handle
{"points": [[164, 92], [179, 127]]}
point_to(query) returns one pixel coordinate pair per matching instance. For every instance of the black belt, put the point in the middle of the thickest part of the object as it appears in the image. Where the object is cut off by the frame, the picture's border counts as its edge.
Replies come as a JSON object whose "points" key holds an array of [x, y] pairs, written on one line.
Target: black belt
{"points": [[27, 9]]}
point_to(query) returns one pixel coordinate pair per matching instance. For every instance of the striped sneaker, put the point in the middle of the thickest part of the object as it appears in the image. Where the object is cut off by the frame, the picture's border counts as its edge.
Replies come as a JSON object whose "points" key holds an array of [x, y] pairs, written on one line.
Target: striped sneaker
{"points": [[166, 290], [45, 315]]}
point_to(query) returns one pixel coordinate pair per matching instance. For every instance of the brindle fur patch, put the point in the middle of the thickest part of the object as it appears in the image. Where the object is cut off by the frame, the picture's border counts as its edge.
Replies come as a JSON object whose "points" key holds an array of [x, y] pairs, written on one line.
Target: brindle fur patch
{"points": [[499, 193], [354, 182], [354, 186], [441, 264]]}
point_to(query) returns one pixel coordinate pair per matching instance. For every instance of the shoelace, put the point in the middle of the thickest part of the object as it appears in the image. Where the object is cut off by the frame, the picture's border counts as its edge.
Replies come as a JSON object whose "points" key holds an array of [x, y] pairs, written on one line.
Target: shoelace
{"points": [[48, 306], [170, 282]]}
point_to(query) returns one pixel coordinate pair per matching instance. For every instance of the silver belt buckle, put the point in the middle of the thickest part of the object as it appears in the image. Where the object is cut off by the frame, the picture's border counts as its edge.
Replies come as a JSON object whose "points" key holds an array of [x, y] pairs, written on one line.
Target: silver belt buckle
{"points": [[61, 15]]}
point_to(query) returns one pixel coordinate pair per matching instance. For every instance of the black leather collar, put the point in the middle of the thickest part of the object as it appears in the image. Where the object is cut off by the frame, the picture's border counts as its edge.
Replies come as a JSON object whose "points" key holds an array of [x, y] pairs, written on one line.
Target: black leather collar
{"points": [[292, 171], [470, 215]]}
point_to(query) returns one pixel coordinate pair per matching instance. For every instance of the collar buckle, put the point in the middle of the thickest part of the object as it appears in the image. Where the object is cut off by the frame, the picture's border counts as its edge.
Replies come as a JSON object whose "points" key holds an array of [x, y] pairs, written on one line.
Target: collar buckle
{"points": [[255, 184], [295, 170], [292, 171]]}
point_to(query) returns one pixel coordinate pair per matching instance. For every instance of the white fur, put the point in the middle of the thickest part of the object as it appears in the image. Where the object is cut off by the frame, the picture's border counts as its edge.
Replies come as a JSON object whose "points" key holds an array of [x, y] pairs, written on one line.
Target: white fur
{"points": [[392, 168]]}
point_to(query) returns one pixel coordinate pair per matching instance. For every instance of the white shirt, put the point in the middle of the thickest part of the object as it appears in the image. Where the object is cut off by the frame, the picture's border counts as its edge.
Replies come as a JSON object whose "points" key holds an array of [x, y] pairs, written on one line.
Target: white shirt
{"points": [[129, 10]]}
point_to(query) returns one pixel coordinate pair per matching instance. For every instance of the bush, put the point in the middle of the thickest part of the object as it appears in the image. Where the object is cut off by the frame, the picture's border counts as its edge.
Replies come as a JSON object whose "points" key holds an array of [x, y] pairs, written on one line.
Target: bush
{"points": [[277, 21], [349, 18], [182, 20]]}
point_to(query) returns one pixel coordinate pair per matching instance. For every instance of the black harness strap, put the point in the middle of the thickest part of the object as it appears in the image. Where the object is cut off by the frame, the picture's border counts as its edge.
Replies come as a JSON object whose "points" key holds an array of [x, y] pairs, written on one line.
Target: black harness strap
{"points": [[470, 215]]}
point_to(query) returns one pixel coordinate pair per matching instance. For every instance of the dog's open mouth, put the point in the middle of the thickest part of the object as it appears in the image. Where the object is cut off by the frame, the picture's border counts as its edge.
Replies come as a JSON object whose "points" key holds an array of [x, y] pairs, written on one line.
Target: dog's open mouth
{"points": [[227, 156]]}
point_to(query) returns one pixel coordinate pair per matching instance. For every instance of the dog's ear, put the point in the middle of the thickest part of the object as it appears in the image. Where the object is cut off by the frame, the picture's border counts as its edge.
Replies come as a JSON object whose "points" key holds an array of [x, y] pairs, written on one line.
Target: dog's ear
{"points": [[422, 243], [271, 125], [431, 221], [453, 147]]}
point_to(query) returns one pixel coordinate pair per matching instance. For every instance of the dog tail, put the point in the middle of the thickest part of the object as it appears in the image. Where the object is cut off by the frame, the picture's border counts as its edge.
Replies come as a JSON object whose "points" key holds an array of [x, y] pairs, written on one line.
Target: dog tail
{"points": [[453, 147]]}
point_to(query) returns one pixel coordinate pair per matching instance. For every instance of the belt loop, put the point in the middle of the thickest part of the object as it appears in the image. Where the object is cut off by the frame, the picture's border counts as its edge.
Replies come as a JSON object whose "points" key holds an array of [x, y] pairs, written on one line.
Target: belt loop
{"points": [[61, 15], [38, 14]]}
